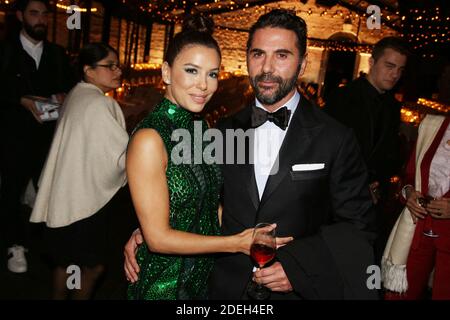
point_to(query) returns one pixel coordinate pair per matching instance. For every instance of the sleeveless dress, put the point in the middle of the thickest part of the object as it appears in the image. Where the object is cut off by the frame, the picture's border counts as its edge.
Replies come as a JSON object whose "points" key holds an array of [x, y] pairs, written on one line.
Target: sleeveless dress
{"points": [[194, 199]]}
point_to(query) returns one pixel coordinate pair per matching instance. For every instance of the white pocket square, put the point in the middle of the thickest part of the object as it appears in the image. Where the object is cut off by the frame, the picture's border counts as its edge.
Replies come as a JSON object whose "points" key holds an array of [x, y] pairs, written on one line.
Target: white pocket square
{"points": [[308, 166]]}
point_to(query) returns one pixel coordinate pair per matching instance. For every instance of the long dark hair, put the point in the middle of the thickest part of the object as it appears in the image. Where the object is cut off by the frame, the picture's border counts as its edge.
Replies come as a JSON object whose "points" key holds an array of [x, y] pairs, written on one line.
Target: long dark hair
{"points": [[197, 29], [91, 54]]}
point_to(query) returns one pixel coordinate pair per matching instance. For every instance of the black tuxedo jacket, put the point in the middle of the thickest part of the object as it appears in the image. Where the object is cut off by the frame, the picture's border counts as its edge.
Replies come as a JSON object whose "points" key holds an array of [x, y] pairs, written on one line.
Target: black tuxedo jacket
{"points": [[375, 120], [328, 212]]}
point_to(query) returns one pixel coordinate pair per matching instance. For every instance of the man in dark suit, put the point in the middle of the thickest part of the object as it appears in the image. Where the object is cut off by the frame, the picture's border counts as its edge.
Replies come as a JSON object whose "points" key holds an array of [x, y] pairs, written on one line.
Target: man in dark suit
{"points": [[368, 106], [307, 176], [30, 66]]}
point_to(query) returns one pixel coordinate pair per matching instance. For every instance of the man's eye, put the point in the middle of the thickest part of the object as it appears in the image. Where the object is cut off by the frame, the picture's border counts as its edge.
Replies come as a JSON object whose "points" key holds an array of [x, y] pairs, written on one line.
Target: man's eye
{"points": [[191, 70], [257, 54], [282, 55]]}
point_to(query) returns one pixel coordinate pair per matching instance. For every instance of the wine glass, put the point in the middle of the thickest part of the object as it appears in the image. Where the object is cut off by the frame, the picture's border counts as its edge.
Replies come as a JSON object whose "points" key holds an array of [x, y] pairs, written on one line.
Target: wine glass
{"points": [[262, 251], [428, 223]]}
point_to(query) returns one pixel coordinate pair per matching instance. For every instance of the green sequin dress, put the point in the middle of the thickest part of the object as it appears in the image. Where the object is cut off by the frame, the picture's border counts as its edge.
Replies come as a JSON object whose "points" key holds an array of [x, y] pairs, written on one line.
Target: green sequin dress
{"points": [[194, 200]]}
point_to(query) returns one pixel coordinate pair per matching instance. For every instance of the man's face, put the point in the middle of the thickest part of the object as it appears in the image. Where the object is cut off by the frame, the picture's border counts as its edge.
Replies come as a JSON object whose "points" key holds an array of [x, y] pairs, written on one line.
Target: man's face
{"points": [[387, 70], [274, 64], [35, 20]]}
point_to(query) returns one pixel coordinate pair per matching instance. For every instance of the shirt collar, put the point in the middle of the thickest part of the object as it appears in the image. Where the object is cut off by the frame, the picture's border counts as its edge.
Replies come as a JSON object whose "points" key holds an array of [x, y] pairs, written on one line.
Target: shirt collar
{"points": [[27, 43]]}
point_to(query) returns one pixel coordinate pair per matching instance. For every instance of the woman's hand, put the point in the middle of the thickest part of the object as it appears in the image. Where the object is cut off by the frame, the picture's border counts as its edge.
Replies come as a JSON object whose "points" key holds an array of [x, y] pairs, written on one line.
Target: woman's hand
{"points": [[417, 212], [439, 208], [282, 241], [245, 239], [130, 263]]}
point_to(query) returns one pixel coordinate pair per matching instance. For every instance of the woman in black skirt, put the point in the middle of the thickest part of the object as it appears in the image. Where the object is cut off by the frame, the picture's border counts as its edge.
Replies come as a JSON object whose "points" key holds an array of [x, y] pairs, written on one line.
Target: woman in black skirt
{"points": [[84, 171]]}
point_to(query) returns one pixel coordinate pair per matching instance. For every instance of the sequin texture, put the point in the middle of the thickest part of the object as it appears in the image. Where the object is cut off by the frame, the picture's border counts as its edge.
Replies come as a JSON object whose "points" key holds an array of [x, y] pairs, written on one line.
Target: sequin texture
{"points": [[194, 199]]}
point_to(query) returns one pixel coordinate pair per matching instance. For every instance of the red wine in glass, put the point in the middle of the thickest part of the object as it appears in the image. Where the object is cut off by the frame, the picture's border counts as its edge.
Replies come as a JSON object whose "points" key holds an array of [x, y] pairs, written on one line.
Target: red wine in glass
{"points": [[261, 253]]}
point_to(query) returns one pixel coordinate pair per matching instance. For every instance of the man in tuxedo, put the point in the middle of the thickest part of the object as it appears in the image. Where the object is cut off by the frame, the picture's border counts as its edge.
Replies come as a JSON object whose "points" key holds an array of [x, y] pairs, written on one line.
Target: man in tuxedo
{"points": [[315, 189], [29, 66], [368, 106]]}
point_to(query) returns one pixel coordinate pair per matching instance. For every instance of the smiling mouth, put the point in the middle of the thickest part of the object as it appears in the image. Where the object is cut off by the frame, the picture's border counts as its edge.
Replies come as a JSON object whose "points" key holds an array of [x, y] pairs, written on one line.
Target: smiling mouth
{"points": [[199, 99]]}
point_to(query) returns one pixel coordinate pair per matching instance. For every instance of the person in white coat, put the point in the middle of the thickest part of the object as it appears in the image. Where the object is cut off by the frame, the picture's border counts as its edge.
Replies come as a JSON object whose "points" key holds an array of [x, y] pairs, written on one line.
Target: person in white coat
{"points": [[85, 169]]}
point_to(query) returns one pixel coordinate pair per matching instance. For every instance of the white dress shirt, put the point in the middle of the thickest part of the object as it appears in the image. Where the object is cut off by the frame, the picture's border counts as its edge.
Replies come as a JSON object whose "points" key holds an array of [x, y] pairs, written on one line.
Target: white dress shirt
{"points": [[34, 50], [439, 180], [267, 143]]}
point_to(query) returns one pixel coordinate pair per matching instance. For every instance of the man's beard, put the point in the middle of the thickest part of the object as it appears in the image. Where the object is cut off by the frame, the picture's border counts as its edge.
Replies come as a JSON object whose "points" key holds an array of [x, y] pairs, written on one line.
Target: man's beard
{"points": [[37, 32], [284, 87]]}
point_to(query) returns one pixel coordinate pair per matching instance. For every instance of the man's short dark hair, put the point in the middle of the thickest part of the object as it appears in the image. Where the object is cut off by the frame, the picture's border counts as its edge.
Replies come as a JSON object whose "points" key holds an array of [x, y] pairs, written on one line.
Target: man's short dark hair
{"points": [[393, 43], [21, 5], [284, 19]]}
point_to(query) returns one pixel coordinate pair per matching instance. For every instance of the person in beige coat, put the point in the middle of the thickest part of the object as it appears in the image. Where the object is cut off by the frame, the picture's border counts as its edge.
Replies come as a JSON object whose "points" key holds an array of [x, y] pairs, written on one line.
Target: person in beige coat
{"points": [[85, 169]]}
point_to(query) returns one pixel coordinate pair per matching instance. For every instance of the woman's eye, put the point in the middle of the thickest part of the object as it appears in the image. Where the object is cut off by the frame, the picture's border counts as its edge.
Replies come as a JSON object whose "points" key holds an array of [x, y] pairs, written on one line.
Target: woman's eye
{"points": [[214, 75], [191, 70]]}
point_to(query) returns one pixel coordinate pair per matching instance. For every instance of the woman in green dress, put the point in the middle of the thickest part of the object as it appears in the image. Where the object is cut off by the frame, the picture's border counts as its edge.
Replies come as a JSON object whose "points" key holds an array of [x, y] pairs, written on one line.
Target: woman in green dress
{"points": [[177, 204]]}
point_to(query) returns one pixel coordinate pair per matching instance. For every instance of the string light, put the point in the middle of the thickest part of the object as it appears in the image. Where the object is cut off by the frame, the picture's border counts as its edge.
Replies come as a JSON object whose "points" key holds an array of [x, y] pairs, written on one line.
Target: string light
{"points": [[415, 112], [433, 105], [430, 33], [339, 46], [146, 66], [61, 6], [409, 115]]}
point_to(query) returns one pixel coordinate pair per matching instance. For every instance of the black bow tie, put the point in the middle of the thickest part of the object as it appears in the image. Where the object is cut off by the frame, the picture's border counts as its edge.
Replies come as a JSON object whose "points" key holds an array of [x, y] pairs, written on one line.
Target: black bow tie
{"points": [[280, 117]]}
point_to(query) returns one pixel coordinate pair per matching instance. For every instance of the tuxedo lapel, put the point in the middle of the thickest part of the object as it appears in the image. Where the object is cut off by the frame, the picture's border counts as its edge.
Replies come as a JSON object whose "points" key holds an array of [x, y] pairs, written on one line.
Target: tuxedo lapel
{"points": [[248, 173], [247, 170], [300, 133]]}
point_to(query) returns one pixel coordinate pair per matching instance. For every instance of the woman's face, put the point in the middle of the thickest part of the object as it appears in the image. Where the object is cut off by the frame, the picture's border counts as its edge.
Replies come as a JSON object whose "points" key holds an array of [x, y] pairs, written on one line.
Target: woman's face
{"points": [[193, 77], [105, 74]]}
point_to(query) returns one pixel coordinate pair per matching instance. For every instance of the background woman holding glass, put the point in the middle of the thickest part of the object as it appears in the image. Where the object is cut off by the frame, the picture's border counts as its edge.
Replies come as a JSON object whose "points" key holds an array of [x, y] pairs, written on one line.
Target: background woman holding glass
{"points": [[427, 197]]}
